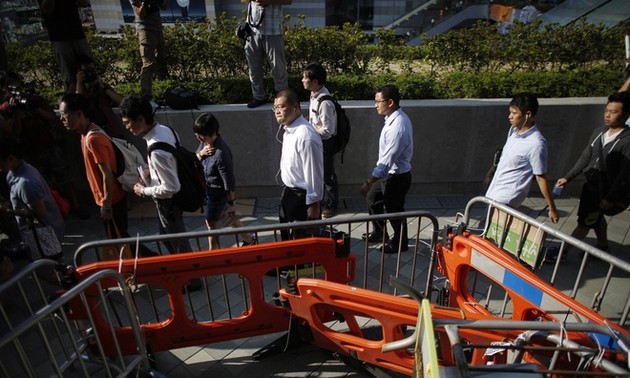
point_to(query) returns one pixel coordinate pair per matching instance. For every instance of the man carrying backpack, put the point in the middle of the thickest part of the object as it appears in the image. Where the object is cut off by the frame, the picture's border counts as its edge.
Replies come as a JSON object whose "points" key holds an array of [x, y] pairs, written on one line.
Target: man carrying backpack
{"points": [[162, 183], [323, 116], [100, 162]]}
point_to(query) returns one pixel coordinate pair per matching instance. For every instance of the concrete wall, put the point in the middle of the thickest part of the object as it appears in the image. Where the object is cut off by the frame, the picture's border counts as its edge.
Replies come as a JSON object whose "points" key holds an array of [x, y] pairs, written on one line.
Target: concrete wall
{"points": [[454, 141]]}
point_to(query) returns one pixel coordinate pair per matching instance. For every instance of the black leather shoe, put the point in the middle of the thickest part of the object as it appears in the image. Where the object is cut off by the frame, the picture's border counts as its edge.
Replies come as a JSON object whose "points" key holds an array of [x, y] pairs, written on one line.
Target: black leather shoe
{"points": [[392, 248], [256, 103], [374, 237]]}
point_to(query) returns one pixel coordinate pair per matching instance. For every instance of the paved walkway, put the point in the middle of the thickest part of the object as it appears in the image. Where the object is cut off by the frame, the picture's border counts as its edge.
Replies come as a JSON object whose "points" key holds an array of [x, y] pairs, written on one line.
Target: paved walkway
{"points": [[233, 358]]}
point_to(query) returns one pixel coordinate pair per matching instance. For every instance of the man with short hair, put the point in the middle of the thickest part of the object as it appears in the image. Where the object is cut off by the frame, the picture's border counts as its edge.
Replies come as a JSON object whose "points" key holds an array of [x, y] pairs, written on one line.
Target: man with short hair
{"points": [[301, 163], [390, 180], [151, 40], [523, 158], [605, 163], [100, 95], [99, 157], [264, 18], [163, 182], [323, 116]]}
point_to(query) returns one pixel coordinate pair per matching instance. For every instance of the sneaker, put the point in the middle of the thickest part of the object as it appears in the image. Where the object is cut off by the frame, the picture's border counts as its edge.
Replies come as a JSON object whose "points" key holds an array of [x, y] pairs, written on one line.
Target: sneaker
{"points": [[253, 242], [552, 255], [256, 103], [392, 248], [328, 213], [374, 237]]}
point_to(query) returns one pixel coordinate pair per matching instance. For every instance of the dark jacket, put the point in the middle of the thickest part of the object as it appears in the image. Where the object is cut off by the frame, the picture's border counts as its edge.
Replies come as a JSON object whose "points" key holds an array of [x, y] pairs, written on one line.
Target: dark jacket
{"points": [[606, 168]]}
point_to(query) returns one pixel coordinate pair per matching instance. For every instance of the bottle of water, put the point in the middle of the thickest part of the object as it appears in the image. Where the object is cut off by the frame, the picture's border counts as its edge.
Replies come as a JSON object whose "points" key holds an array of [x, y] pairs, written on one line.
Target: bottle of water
{"points": [[556, 191]]}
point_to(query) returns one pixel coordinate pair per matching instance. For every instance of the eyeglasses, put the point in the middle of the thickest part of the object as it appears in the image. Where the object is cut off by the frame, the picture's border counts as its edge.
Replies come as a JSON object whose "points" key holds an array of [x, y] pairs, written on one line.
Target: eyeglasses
{"points": [[65, 114], [275, 108], [379, 101]]}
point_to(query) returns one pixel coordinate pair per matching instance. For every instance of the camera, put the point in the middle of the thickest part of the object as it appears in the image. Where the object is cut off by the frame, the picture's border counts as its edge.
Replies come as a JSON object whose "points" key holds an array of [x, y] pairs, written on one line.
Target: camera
{"points": [[90, 76], [21, 95]]}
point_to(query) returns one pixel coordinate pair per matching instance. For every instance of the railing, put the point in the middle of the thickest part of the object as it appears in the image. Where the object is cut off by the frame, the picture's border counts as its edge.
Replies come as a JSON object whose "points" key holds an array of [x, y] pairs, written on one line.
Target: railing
{"points": [[40, 337], [578, 291]]}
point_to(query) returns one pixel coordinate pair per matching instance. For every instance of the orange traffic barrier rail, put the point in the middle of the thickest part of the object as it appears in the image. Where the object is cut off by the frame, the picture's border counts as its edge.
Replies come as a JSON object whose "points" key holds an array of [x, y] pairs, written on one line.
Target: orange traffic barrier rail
{"points": [[173, 274]]}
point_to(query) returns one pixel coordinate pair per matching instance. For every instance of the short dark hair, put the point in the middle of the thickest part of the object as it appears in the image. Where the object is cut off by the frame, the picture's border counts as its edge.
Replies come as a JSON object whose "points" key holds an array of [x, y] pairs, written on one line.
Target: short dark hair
{"points": [[135, 106], [76, 102], [206, 124], [290, 95], [9, 145], [525, 102], [316, 71], [390, 92], [623, 98]]}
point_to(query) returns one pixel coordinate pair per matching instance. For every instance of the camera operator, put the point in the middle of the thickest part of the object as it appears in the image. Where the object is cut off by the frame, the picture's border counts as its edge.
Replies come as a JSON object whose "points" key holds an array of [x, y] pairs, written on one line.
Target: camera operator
{"points": [[32, 120], [151, 41], [100, 95]]}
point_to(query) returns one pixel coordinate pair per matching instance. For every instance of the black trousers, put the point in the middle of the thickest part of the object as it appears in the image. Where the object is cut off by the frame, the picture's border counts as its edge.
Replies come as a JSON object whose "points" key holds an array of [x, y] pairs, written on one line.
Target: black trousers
{"points": [[331, 186], [293, 208], [389, 195]]}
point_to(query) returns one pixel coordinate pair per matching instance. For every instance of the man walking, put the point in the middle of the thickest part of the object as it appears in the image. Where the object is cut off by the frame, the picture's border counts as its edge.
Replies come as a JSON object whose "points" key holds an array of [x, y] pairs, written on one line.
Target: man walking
{"points": [[523, 157], [301, 163], [323, 116], [605, 163], [162, 183], [390, 180]]}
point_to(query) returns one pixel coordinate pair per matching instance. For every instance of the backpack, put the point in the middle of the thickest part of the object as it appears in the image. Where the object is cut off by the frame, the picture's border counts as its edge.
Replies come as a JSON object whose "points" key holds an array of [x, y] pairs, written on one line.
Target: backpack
{"points": [[192, 192], [129, 161], [179, 98], [342, 137]]}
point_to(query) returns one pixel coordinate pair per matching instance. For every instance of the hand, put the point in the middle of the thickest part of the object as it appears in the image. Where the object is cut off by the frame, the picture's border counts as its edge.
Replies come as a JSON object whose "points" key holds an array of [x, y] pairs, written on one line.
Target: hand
{"points": [[80, 77], [553, 215], [561, 182], [231, 210], [365, 188], [137, 189], [312, 212]]}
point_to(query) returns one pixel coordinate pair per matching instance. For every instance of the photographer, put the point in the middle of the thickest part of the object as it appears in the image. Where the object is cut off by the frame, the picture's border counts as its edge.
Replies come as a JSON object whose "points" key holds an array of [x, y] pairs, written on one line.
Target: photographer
{"points": [[151, 41], [32, 120], [100, 95]]}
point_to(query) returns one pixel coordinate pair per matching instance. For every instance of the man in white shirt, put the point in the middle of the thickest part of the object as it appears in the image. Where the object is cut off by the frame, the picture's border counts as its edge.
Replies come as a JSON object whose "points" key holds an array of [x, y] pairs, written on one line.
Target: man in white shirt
{"points": [[523, 158], [323, 116], [301, 163], [163, 182], [387, 186]]}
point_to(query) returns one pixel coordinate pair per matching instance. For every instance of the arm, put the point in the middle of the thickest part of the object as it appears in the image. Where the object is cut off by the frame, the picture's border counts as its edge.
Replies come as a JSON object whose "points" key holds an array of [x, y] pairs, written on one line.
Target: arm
{"points": [[544, 189], [312, 156], [108, 185], [626, 86], [114, 96], [165, 166], [327, 117], [138, 8]]}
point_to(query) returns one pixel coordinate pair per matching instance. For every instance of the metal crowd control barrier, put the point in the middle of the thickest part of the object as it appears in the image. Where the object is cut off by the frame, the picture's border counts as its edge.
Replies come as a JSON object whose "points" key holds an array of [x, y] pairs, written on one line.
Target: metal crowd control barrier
{"points": [[41, 337], [618, 309]]}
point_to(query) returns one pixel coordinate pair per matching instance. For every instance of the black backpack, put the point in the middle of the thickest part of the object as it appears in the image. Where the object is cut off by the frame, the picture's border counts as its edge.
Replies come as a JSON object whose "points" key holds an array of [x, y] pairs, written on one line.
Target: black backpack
{"points": [[343, 125], [179, 98], [192, 192]]}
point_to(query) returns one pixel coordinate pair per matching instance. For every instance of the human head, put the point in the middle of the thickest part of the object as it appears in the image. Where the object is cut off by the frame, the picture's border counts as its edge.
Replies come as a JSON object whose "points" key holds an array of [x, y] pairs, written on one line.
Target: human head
{"points": [[286, 107], [523, 108], [206, 128], [617, 109], [387, 99], [87, 65], [137, 114], [74, 110], [313, 72], [11, 152]]}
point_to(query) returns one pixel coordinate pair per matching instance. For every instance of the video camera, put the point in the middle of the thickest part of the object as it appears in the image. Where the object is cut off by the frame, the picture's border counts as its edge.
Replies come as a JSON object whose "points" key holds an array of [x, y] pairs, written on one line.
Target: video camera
{"points": [[21, 95]]}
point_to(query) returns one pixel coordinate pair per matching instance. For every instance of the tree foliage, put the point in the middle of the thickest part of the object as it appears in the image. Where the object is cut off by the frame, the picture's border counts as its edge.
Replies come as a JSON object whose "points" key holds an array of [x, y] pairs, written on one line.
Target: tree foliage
{"points": [[578, 59]]}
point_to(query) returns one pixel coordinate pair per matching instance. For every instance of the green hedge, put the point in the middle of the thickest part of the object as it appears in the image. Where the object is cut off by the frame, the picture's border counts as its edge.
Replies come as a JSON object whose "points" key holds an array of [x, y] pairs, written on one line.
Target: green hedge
{"points": [[478, 62]]}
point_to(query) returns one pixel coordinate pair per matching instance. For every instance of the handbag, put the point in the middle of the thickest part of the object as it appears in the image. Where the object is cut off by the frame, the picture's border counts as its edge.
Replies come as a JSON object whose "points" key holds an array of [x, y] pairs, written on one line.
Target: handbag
{"points": [[114, 251], [41, 240]]}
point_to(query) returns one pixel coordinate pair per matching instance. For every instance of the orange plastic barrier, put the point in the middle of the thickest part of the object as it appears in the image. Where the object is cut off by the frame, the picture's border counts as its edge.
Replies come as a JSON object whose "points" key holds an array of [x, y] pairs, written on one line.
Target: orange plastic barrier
{"points": [[172, 272], [318, 301]]}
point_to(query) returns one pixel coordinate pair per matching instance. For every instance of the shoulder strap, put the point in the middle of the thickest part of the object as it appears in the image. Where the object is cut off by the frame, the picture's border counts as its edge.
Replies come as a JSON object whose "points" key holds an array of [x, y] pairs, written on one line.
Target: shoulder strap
{"points": [[162, 146], [324, 98]]}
